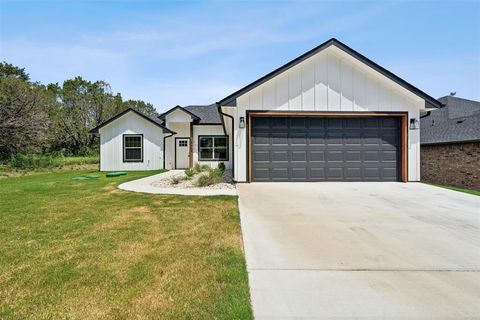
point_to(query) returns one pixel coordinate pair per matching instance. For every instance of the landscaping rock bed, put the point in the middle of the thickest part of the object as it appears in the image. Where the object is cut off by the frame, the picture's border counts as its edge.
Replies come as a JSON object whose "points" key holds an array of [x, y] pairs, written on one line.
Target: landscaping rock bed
{"points": [[178, 179]]}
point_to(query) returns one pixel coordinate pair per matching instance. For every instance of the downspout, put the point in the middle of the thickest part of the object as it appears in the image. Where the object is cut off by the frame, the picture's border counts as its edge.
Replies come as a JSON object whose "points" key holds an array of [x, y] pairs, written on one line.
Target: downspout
{"points": [[225, 131], [164, 146]]}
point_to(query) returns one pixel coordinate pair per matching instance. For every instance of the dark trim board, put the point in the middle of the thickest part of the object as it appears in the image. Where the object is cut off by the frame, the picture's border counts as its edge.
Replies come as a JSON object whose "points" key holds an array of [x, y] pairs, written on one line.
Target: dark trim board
{"points": [[213, 135], [115, 117], [175, 149], [123, 148], [230, 100], [193, 116], [403, 116]]}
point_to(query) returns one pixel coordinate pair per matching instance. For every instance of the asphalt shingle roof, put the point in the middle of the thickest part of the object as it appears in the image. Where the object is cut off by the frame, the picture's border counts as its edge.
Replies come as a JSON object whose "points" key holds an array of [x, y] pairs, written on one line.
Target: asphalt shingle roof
{"points": [[208, 114], [457, 121]]}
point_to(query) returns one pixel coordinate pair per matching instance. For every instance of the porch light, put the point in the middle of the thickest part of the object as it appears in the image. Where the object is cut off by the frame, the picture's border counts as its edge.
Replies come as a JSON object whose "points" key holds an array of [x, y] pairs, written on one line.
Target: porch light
{"points": [[241, 124], [414, 124]]}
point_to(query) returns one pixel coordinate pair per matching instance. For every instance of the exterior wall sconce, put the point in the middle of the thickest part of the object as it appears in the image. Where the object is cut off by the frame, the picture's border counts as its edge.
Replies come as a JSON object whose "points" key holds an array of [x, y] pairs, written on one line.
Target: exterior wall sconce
{"points": [[414, 124], [241, 123]]}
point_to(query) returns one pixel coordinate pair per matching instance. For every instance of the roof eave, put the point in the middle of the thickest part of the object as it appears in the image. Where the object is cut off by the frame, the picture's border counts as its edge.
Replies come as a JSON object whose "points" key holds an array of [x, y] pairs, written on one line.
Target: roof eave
{"points": [[95, 130], [192, 115]]}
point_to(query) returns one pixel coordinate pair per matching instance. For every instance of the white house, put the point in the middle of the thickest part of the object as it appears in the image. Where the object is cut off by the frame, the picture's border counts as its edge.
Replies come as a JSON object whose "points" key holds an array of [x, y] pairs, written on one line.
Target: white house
{"points": [[329, 115]]}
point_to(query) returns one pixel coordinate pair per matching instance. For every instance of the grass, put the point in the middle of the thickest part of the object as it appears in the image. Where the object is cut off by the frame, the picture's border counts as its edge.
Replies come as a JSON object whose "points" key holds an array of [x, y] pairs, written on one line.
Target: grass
{"points": [[40, 161], [27, 165], [469, 191], [83, 249]]}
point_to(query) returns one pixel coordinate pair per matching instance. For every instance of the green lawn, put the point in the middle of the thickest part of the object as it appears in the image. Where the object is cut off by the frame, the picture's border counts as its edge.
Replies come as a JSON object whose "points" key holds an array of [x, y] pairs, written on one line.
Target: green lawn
{"points": [[83, 249], [469, 191]]}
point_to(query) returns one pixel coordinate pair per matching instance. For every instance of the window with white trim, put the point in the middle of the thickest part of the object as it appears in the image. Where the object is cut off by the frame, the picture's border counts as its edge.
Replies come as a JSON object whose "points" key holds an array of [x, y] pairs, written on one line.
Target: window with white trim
{"points": [[132, 148], [212, 148]]}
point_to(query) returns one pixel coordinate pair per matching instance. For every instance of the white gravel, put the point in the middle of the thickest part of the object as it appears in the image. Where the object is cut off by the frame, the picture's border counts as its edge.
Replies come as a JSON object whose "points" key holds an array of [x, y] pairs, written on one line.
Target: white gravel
{"points": [[163, 183]]}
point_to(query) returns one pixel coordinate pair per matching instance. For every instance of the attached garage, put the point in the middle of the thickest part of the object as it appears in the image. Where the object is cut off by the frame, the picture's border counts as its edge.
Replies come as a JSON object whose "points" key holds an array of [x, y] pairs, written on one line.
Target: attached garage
{"points": [[330, 114], [331, 147]]}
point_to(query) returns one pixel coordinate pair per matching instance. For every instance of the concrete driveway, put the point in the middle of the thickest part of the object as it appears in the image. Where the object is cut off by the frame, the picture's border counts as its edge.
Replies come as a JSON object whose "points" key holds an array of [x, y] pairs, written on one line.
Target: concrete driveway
{"points": [[361, 250]]}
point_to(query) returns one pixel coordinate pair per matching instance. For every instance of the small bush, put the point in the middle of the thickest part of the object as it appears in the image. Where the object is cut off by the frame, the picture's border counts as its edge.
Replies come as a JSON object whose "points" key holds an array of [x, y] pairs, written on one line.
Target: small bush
{"points": [[176, 179], [190, 172], [198, 168], [213, 176], [221, 166]]}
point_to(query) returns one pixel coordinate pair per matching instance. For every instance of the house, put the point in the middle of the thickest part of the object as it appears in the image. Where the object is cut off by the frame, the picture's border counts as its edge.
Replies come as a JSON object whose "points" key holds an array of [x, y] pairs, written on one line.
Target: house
{"points": [[450, 143], [329, 115]]}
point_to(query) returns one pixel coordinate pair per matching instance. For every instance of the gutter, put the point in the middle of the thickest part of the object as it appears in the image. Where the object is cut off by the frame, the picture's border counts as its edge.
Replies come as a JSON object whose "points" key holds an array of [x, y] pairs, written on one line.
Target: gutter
{"points": [[225, 131], [165, 138], [426, 114]]}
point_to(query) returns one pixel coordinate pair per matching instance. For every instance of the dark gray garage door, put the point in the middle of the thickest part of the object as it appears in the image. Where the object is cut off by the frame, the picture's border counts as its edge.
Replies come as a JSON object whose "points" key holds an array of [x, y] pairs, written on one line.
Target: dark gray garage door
{"points": [[325, 148]]}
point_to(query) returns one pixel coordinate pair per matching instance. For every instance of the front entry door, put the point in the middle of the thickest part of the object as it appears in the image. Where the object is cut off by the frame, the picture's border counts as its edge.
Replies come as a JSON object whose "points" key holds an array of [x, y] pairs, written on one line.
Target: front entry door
{"points": [[182, 152]]}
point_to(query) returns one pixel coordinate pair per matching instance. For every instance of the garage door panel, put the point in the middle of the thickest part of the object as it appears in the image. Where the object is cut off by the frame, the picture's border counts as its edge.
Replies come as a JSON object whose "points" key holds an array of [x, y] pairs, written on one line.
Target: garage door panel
{"points": [[261, 156], [334, 156], [298, 123], [299, 138], [299, 173], [325, 149], [316, 156], [299, 156], [354, 173], [316, 139], [389, 122], [279, 173], [334, 173], [353, 156], [316, 123], [279, 156], [335, 123]]}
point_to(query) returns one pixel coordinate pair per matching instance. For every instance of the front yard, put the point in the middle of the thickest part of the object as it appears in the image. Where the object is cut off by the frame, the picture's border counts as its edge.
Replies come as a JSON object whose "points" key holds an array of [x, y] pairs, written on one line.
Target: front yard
{"points": [[83, 249]]}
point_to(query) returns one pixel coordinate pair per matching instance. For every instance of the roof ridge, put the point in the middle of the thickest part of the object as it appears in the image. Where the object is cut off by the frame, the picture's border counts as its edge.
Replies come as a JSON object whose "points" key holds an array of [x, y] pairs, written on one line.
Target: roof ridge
{"points": [[458, 98]]}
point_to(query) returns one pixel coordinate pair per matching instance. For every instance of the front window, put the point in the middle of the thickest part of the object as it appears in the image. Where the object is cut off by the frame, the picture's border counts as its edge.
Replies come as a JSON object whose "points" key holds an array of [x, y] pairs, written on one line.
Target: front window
{"points": [[132, 148], [213, 148]]}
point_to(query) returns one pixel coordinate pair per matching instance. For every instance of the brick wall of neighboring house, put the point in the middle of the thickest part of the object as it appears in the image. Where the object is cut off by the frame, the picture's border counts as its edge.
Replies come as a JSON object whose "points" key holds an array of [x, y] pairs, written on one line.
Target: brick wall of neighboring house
{"points": [[452, 164]]}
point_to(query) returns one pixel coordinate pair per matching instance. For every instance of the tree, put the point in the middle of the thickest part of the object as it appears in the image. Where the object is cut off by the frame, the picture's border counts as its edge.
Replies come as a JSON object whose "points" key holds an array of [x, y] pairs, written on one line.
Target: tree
{"points": [[24, 116], [141, 106], [7, 69], [36, 118], [82, 105]]}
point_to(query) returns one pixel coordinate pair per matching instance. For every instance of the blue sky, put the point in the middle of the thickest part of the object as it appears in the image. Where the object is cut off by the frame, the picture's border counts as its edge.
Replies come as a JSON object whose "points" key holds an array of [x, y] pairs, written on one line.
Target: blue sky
{"points": [[183, 53]]}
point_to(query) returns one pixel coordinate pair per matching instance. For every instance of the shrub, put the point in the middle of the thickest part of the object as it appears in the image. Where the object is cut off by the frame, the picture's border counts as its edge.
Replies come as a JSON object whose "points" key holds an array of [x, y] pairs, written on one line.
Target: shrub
{"points": [[190, 172], [177, 179], [22, 162], [39, 161], [201, 167], [213, 176], [221, 166]]}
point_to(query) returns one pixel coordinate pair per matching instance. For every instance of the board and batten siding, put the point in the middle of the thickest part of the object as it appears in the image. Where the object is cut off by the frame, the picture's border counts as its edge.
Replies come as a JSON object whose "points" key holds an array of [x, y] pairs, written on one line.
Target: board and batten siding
{"points": [[111, 144], [329, 81]]}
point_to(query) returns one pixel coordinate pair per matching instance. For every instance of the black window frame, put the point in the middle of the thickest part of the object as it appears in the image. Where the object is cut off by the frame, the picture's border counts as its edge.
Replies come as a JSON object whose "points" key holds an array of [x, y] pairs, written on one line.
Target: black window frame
{"points": [[213, 148], [141, 147]]}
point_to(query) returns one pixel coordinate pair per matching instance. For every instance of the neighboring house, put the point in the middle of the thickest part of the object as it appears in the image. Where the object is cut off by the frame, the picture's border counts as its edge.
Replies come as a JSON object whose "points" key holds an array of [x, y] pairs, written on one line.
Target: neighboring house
{"points": [[329, 115], [450, 143]]}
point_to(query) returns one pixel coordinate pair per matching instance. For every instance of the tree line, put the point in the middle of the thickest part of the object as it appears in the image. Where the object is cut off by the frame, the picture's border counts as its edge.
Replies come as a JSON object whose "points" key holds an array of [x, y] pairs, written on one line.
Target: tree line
{"points": [[43, 119]]}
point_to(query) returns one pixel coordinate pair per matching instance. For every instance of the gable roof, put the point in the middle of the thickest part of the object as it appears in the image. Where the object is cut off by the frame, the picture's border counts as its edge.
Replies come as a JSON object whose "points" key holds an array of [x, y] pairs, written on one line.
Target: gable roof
{"points": [[429, 101], [153, 120], [192, 115], [208, 114], [458, 121], [201, 114]]}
